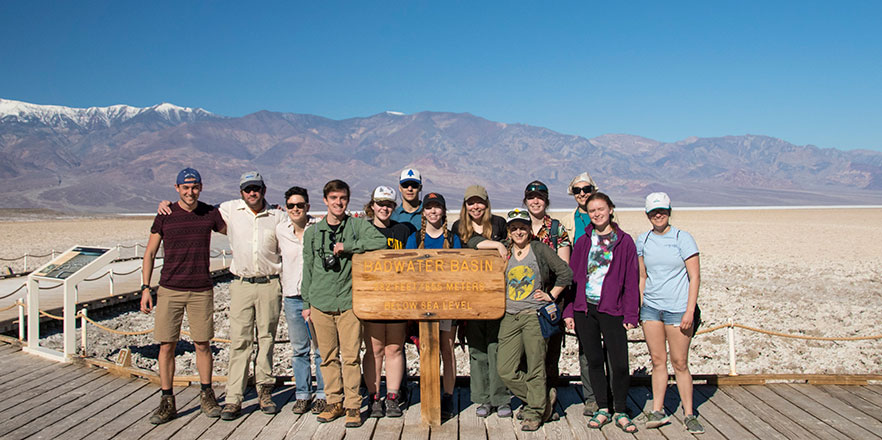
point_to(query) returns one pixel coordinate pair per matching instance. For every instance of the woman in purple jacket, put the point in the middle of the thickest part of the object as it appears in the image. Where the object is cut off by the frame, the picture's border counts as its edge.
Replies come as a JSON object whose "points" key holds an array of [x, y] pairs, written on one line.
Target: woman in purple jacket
{"points": [[605, 304]]}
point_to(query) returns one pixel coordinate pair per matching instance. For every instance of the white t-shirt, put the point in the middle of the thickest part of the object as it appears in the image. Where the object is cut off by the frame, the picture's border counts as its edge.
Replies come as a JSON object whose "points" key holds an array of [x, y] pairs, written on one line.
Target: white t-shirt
{"points": [[667, 283]]}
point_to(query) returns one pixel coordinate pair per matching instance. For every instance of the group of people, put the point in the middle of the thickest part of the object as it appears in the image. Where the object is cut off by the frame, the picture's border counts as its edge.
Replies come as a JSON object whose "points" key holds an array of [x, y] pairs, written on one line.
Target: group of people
{"points": [[583, 268]]}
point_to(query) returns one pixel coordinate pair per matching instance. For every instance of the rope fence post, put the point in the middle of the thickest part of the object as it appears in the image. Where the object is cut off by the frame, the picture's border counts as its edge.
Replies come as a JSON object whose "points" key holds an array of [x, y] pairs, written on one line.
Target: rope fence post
{"points": [[731, 338], [53, 254], [25, 262], [136, 249], [21, 321], [84, 312], [110, 276], [224, 257]]}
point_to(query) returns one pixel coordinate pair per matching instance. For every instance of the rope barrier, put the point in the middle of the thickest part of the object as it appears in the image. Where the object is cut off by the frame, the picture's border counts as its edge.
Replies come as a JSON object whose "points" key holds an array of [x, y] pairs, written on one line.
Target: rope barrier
{"points": [[14, 291], [118, 332], [10, 307], [48, 315], [809, 338]]}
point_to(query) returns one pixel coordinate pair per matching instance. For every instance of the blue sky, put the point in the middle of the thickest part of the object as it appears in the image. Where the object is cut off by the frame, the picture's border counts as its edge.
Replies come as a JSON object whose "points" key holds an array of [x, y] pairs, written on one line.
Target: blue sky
{"points": [[807, 72]]}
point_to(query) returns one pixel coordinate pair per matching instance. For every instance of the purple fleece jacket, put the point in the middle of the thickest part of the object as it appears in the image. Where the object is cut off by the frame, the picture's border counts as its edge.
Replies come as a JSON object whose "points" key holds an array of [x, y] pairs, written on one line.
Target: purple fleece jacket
{"points": [[619, 295]]}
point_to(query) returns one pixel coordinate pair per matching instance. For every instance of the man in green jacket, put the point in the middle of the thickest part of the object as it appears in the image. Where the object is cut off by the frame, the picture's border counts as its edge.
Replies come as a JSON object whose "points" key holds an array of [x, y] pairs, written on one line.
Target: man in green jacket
{"points": [[327, 299]]}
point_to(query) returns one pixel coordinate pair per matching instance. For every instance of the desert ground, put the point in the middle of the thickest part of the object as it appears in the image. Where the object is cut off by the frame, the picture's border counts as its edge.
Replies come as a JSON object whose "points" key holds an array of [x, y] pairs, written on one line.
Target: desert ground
{"points": [[813, 272]]}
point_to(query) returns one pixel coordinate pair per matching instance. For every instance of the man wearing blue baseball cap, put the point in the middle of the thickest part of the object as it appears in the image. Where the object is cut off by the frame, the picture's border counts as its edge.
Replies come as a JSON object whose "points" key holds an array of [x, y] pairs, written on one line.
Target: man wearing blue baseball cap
{"points": [[410, 212]]}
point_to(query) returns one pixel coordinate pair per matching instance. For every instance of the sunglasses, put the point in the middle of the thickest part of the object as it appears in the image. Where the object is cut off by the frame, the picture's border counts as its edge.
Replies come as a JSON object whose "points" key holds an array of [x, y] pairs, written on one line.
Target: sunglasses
{"points": [[538, 187], [410, 185], [300, 205], [252, 189], [583, 189], [660, 211]]}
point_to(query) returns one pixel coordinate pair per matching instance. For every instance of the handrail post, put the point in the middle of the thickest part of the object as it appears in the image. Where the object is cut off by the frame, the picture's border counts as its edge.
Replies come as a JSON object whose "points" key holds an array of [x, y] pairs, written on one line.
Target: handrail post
{"points": [[53, 254], [731, 338], [25, 262], [224, 257], [110, 275], [21, 321], [83, 314], [136, 250]]}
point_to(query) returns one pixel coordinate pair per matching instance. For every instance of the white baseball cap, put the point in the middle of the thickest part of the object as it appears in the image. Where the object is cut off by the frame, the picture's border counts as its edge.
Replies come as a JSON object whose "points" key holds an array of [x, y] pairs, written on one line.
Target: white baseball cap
{"points": [[383, 193], [410, 175], [584, 177], [657, 200]]}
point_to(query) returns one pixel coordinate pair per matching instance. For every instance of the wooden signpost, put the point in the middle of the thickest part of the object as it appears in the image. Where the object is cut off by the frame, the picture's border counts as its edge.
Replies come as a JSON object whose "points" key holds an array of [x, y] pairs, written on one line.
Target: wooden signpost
{"points": [[429, 285]]}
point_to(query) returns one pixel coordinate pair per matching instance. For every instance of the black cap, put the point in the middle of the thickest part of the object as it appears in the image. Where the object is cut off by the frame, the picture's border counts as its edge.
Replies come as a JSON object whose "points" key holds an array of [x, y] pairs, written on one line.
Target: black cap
{"points": [[434, 197]]}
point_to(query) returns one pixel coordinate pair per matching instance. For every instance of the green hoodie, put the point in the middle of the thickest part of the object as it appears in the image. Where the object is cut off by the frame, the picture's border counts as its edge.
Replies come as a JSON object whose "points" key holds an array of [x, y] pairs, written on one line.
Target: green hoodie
{"points": [[331, 291]]}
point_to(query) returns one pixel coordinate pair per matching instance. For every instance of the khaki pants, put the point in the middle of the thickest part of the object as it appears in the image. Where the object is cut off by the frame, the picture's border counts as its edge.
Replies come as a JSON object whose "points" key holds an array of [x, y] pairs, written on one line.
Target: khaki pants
{"points": [[252, 305], [339, 337], [521, 337]]}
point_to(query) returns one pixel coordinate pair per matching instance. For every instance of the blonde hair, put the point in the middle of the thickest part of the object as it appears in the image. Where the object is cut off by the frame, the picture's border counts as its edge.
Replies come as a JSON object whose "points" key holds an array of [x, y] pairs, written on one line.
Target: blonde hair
{"points": [[422, 245], [466, 231]]}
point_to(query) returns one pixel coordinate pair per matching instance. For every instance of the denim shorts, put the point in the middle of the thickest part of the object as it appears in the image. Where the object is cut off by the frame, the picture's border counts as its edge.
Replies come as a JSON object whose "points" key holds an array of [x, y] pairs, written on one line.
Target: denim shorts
{"points": [[669, 318]]}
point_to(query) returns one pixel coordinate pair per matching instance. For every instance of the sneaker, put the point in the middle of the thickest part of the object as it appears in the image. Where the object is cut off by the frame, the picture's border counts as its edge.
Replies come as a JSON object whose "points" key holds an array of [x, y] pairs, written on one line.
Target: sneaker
{"points": [[377, 406], [549, 404], [504, 411], [231, 411], [301, 406], [530, 425], [209, 403], [393, 405], [693, 426], [353, 418], [265, 399], [590, 408], [319, 405], [331, 412], [656, 419], [446, 406], [484, 410], [165, 412]]}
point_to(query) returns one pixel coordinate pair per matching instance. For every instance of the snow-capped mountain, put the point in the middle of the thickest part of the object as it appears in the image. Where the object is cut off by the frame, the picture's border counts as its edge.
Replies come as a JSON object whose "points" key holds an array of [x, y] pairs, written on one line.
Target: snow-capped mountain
{"points": [[56, 116]]}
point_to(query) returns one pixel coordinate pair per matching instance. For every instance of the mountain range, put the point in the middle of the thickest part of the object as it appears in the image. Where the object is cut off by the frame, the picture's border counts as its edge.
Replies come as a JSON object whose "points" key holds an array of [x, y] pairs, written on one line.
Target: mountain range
{"points": [[124, 159]]}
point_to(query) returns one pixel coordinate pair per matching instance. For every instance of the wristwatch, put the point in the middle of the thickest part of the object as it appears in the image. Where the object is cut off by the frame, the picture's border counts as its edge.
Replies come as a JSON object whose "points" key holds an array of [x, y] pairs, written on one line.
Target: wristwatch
{"points": [[145, 286]]}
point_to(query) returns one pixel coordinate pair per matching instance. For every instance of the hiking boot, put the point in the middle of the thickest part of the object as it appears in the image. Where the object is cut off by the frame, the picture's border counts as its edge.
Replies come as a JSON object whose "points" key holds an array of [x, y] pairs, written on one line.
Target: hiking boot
{"points": [[231, 411], [376, 406], [530, 425], [446, 406], [504, 411], [265, 398], [319, 405], [549, 404], [165, 412], [331, 412], [301, 406], [393, 405], [353, 418], [656, 419], [484, 410], [590, 408], [209, 403], [693, 426]]}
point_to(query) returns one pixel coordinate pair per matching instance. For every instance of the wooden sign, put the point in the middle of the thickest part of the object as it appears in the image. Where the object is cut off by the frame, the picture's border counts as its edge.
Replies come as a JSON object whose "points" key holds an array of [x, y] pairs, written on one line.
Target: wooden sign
{"points": [[428, 284]]}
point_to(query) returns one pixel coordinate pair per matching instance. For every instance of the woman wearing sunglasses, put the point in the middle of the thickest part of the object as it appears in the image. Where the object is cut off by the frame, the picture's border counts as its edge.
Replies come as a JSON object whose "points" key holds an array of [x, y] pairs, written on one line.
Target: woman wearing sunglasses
{"points": [[581, 187], [605, 304], [384, 339], [476, 223], [669, 281]]}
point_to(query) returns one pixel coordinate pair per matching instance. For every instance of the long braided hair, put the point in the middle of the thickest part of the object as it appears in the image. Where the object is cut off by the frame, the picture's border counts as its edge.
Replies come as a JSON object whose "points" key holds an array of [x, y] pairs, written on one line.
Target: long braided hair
{"points": [[422, 245]]}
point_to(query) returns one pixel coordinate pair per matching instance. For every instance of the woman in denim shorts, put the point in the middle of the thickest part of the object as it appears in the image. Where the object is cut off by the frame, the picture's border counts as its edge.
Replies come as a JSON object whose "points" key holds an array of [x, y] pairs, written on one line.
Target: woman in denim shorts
{"points": [[669, 280]]}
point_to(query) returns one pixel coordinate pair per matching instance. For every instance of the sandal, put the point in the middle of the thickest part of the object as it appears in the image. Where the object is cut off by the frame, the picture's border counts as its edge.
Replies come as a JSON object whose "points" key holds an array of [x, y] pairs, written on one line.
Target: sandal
{"points": [[626, 426], [599, 413]]}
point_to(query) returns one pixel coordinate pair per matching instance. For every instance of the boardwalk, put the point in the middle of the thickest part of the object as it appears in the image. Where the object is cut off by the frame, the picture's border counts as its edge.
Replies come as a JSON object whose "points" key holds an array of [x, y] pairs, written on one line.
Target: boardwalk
{"points": [[45, 400]]}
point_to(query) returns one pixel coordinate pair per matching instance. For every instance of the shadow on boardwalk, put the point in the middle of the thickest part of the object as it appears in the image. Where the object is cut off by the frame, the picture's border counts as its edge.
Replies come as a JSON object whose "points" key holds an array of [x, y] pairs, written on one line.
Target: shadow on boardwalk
{"points": [[43, 399]]}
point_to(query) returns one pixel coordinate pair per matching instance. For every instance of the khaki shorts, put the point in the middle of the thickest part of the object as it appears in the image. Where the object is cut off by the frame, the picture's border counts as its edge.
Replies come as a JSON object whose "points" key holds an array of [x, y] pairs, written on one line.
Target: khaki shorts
{"points": [[170, 305]]}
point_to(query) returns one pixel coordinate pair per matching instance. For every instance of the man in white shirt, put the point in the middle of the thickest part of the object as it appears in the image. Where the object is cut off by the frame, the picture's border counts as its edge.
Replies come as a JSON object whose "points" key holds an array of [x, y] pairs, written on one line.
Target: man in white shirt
{"points": [[300, 332]]}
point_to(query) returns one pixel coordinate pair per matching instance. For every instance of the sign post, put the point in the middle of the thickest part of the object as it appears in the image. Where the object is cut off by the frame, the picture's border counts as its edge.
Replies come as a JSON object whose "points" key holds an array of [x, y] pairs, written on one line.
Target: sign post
{"points": [[429, 285]]}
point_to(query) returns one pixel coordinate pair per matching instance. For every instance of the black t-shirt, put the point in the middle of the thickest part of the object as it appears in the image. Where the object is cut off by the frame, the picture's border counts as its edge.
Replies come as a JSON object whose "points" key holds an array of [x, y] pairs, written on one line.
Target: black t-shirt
{"points": [[498, 224], [396, 235]]}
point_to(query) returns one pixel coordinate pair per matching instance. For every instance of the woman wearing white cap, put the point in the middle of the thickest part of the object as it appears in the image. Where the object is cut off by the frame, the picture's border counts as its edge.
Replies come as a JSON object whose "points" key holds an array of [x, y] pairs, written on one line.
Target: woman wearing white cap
{"points": [[669, 280], [385, 339], [581, 187]]}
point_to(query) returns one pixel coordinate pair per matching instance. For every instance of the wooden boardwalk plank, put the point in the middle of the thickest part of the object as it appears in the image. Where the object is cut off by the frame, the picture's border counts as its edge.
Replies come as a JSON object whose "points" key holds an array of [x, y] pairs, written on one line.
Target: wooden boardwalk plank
{"points": [[865, 393], [740, 415], [813, 407], [277, 427], [211, 429], [858, 424], [59, 406], [135, 423], [794, 412], [571, 402], [368, 424], [559, 429], [638, 412], [850, 395], [392, 427], [111, 413], [449, 429], [36, 378], [42, 394], [257, 421], [470, 425], [187, 402], [412, 428], [760, 409], [673, 406], [40, 370], [711, 411], [81, 411]]}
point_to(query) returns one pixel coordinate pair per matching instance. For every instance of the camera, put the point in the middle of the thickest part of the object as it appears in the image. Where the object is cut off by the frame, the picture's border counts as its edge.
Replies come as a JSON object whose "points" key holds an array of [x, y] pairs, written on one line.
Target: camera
{"points": [[329, 262]]}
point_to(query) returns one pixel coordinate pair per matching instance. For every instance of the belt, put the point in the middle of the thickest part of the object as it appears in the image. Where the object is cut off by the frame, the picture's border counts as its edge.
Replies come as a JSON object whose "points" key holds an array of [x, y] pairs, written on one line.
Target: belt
{"points": [[258, 280]]}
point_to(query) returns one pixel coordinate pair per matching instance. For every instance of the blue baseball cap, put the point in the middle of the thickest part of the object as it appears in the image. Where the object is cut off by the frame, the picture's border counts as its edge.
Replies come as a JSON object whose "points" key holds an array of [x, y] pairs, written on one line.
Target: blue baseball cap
{"points": [[188, 175]]}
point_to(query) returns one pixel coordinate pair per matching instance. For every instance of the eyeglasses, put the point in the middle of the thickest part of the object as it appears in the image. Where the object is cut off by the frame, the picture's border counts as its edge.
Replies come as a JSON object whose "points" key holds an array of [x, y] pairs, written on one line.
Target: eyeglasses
{"points": [[583, 189], [301, 205], [252, 189], [410, 185]]}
